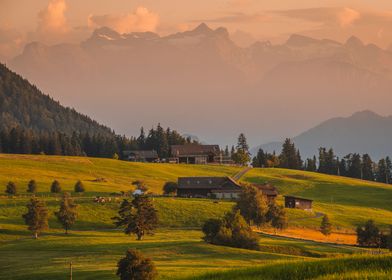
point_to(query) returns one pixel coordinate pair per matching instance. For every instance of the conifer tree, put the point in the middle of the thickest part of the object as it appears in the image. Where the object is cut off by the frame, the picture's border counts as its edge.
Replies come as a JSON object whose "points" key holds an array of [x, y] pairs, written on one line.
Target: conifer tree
{"points": [[32, 186], [11, 188], [367, 168], [36, 217], [382, 174], [67, 213], [241, 155], [55, 187], [326, 226], [79, 187], [289, 157]]}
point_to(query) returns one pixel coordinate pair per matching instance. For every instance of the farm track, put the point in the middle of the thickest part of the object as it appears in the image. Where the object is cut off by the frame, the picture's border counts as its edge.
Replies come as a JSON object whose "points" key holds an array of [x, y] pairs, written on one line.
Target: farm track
{"points": [[241, 173]]}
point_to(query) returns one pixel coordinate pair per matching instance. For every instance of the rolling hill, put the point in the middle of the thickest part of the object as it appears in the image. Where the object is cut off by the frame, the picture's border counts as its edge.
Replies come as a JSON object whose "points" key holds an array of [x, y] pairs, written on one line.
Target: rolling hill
{"points": [[94, 246], [362, 132]]}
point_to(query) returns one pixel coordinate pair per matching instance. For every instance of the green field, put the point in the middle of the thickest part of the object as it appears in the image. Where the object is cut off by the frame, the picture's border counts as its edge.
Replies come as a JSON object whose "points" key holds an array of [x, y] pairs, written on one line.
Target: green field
{"points": [[94, 246]]}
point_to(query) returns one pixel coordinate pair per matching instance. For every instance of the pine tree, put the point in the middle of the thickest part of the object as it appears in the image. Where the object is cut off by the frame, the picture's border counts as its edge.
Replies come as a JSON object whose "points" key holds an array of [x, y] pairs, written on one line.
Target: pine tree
{"points": [[79, 187], [36, 217], [367, 168], [137, 217], [382, 171], [241, 155], [289, 157], [388, 169], [32, 186], [11, 188], [134, 266], [326, 226], [141, 140], [55, 187], [67, 213]]}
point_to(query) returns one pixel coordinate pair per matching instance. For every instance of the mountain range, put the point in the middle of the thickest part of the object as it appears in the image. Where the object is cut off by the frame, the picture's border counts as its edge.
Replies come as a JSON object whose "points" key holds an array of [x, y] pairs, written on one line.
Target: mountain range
{"points": [[202, 83], [362, 132]]}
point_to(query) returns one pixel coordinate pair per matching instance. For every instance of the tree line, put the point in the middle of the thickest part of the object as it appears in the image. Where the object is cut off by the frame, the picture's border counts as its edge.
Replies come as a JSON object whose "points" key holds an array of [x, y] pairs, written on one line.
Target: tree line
{"points": [[353, 165], [32, 187], [17, 140]]}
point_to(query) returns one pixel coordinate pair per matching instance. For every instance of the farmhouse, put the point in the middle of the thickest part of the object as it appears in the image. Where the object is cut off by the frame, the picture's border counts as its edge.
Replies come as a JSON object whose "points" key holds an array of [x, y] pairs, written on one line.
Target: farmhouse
{"points": [[215, 187], [297, 202], [195, 154], [141, 156], [268, 190]]}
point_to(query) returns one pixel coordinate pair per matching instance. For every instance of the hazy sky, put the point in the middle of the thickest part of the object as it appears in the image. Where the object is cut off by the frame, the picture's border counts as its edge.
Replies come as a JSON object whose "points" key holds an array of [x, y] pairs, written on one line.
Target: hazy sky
{"points": [[53, 21]]}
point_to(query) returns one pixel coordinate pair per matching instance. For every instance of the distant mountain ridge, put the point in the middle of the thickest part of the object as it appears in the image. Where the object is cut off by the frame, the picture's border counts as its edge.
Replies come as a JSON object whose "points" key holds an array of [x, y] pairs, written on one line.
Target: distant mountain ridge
{"points": [[363, 132], [24, 106], [109, 73]]}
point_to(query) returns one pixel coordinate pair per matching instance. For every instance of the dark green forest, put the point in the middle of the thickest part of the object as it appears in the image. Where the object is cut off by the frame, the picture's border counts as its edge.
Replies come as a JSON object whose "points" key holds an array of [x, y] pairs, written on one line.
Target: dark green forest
{"points": [[33, 123]]}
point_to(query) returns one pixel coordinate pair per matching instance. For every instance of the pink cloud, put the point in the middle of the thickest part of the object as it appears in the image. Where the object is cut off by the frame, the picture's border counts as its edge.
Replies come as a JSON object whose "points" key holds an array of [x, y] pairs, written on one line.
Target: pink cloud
{"points": [[139, 20]]}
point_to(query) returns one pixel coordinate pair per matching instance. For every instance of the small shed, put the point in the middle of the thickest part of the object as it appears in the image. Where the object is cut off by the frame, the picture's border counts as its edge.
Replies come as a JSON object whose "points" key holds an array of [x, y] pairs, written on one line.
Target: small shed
{"points": [[268, 190], [298, 202]]}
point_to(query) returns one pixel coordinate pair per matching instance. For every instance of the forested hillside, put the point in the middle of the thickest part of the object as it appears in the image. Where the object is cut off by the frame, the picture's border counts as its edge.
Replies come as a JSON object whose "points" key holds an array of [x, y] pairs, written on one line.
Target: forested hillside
{"points": [[23, 105]]}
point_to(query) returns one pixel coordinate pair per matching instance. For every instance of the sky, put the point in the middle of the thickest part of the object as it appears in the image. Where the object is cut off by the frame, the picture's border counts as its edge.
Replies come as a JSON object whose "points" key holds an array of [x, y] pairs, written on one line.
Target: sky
{"points": [[57, 21]]}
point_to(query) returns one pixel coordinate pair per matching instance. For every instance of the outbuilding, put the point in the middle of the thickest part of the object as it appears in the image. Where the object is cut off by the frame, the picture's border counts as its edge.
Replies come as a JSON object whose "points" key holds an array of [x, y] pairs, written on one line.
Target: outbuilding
{"points": [[297, 202]]}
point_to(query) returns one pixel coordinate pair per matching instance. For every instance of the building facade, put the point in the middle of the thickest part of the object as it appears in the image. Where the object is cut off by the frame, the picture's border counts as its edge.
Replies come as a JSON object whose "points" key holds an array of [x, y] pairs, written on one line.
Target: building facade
{"points": [[213, 187], [298, 203]]}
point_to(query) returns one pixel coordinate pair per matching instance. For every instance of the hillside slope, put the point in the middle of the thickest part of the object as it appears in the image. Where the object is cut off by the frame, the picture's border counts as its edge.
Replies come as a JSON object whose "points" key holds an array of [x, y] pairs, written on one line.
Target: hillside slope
{"points": [[24, 105]]}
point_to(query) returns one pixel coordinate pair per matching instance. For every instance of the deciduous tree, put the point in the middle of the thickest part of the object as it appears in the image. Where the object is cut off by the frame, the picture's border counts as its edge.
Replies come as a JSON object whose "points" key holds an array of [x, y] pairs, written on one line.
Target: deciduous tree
{"points": [[67, 213], [134, 266], [36, 217]]}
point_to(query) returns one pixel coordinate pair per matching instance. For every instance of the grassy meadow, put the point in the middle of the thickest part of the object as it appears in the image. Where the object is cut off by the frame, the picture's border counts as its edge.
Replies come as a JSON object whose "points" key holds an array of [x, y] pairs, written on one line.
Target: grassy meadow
{"points": [[94, 246]]}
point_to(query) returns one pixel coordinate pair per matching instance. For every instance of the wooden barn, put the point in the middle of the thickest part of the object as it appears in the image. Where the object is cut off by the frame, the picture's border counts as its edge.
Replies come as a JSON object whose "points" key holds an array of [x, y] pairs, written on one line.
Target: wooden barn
{"points": [[269, 191], [141, 156], [195, 154], [298, 202], [214, 187]]}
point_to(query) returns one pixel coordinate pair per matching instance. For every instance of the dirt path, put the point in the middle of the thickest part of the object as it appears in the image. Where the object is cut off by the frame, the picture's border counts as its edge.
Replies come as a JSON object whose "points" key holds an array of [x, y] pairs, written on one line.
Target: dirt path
{"points": [[241, 173]]}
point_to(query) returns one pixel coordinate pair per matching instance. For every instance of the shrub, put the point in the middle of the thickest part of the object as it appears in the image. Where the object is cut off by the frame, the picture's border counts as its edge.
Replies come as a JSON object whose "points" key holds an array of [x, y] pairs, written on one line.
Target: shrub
{"points": [[55, 188], [326, 227], [368, 235], [134, 266], [231, 231], [10, 189], [170, 188], [32, 186], [79, 187], [277, 216]]}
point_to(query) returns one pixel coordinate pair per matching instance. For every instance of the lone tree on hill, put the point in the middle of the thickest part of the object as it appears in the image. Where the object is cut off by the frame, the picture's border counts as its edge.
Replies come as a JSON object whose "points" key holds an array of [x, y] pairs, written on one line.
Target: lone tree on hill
{"points": [[170, 188], [32, 186], [134, 266], [79, 187], [55, 187], [36, 217], [277, 216], [137, 217], [326, 226], [252, 205], [368, 235], [10, 189], [67, 213]]}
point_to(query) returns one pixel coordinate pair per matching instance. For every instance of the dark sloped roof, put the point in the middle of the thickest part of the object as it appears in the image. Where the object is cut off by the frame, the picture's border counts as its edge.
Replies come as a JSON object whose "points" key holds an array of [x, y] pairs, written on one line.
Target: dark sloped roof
{"points": [[207, 183], [298, 198], [194, 150], [142, 154], [267, 189]]}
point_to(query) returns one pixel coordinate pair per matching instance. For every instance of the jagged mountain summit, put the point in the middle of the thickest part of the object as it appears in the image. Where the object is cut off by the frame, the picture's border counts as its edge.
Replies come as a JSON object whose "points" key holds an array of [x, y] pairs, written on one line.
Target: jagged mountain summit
{"points": [[140, 77]]}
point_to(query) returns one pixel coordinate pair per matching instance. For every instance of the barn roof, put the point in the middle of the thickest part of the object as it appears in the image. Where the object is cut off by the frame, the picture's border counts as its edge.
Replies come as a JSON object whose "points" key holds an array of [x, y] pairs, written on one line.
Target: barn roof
{"points": [[207, 183], [194, 150], [142, 153], [298, 198], [267, 189]]}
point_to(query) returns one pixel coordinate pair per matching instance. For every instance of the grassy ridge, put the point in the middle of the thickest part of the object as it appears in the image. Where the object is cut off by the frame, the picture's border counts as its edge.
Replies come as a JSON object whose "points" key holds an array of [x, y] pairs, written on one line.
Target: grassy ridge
{"points": [[357, 267], [117, 175]]}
